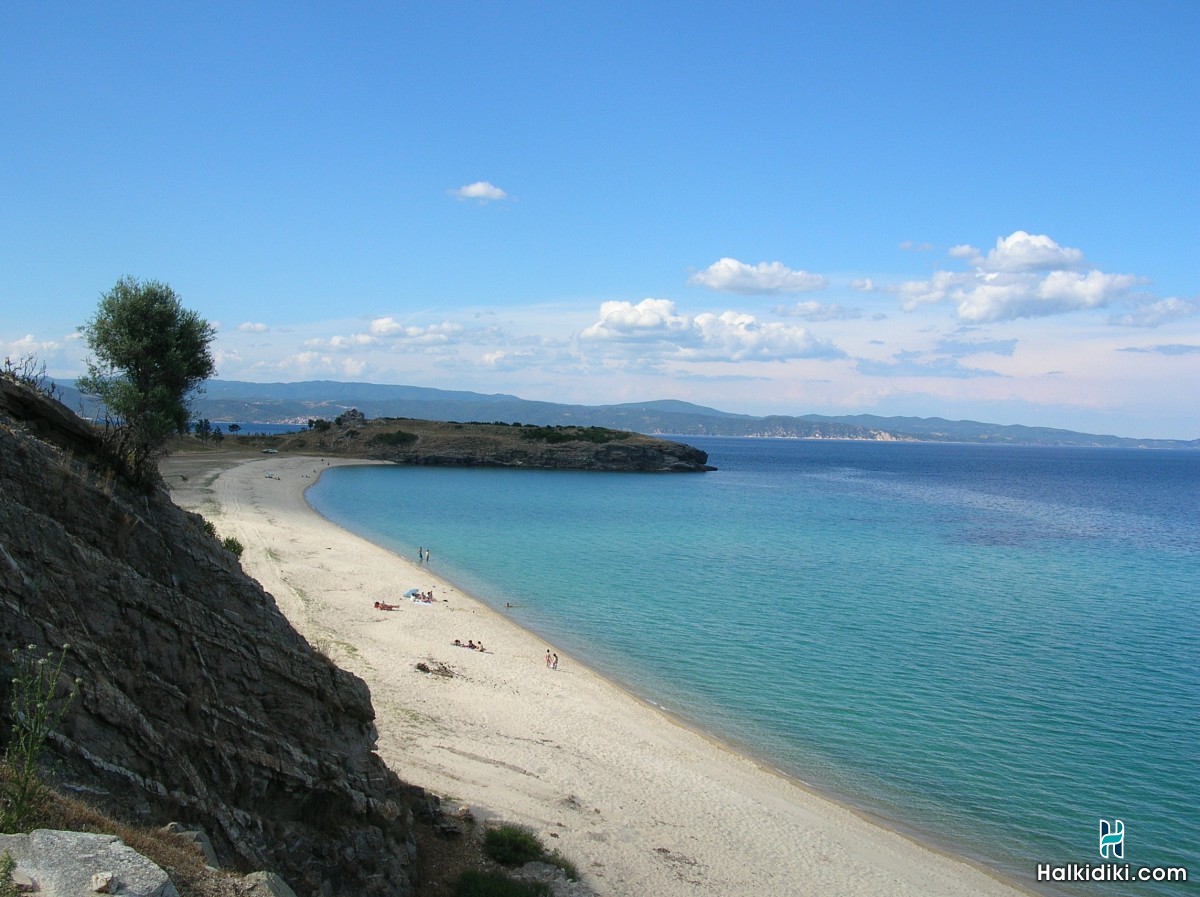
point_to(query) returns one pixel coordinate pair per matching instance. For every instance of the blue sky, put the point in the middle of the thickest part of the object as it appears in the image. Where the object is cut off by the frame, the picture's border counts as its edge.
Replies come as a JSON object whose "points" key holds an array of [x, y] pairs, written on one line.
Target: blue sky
{"points": [[969, 210]]}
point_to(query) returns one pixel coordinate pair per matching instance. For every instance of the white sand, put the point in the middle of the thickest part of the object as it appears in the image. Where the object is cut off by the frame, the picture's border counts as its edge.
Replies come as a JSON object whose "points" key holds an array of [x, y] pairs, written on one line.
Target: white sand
{"points": [[640, 803]]}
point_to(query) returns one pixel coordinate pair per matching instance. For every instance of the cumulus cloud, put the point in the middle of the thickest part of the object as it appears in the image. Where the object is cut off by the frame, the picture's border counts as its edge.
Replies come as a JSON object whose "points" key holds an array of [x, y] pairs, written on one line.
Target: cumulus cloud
{"points": [[650, 319], [731, 276], [251, 327], [818, 311], [483, 191], [729, 336], [1156, 313], [1024, 276], [1022, 252], [1034, 295], [29, 345], [387, 331], [863, 285]]}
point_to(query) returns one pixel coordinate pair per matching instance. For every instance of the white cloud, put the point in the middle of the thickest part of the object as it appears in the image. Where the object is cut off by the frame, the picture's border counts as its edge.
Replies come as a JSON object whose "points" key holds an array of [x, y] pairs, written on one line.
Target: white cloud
{"points": [[731, 276], [387, 331], [29, 345], [911, 246], [818, 311], [1034, 296], [1021, 251], [729, 336], [733, 336], [863, 285], [1024, 276], [480, 190], [251, 327], [1163, 311], [650, 319], [940, 286]]}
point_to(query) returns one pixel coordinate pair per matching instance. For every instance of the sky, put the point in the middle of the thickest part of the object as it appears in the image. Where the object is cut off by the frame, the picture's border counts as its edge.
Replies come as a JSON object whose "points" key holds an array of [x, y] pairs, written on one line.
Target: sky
{"points": [[983, 210]]}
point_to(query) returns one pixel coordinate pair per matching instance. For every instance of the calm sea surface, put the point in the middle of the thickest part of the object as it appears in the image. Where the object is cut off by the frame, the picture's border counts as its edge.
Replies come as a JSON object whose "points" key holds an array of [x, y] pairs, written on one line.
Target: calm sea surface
{"points": [[992, 647]]}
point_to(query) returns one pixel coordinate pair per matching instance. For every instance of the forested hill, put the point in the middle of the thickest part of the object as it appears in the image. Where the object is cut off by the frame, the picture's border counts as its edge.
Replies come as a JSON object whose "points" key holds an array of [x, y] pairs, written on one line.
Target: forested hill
{"points": [[230, 400]]}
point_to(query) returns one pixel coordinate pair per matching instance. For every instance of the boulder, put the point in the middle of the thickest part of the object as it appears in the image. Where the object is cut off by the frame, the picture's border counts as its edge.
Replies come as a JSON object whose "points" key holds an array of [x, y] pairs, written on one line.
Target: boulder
{"points": [[73, 864]]}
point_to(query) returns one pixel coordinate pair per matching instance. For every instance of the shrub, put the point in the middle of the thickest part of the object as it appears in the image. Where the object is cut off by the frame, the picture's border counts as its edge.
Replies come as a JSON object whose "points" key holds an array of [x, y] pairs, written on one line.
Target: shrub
{"points": [[396, 438], [513, 845], [30, 372], [210, 528], [8, 887], [556, 435], [233, 545], [495, 884], [36, 711]]}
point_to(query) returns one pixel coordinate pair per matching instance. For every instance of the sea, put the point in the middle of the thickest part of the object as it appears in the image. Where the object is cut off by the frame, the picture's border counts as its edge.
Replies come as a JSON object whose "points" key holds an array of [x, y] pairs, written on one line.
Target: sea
{"points": [[994, 649]]}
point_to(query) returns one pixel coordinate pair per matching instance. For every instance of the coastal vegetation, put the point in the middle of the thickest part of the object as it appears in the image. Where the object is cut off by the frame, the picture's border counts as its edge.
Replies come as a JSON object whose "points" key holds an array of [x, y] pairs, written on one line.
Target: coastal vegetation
{"points": [[149, 354], [37, 709], [476, 444]]}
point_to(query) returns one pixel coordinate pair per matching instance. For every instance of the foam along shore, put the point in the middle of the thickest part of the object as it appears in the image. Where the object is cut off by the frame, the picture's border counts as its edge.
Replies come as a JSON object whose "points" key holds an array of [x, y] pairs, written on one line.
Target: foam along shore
{"points": [[642, 804]]}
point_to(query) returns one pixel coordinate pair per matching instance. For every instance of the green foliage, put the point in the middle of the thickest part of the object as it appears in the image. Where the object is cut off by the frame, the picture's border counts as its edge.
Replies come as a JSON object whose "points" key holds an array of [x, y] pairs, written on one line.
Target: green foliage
{"points": [[150, 353], [320, 425], [8, 888], [555, 435], [512, 845], [233, 545], [495, 884], [210, 528], [515, 845], [36, 711], [397, 438], [557, 859]]}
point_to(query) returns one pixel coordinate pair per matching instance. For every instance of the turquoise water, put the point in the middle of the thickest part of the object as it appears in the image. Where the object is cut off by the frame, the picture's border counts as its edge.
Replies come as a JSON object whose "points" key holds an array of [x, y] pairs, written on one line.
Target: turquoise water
{"points": [[993, 647]]}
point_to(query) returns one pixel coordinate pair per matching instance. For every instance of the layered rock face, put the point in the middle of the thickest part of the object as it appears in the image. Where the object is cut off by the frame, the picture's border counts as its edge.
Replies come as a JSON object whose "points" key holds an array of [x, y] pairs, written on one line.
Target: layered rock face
{"points": [[199, 701]]}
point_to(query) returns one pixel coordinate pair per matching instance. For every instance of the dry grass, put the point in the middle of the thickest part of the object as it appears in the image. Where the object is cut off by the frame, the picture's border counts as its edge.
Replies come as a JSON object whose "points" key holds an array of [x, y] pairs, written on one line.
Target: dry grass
{"points": [[177, 855]]}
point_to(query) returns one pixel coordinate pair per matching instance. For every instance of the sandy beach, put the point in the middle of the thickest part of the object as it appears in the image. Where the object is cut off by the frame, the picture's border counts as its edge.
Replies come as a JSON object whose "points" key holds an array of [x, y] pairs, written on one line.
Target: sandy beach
{"points": [[642, 804]]}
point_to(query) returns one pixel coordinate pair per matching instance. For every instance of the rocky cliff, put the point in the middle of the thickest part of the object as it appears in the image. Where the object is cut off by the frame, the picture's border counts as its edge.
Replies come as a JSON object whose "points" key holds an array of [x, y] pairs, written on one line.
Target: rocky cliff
{"points": [[199, 701]]}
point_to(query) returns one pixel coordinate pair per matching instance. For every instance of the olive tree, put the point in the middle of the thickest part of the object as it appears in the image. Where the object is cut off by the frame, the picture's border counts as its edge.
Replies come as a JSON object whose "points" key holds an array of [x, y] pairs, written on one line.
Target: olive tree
{"points": [[150, 353]]}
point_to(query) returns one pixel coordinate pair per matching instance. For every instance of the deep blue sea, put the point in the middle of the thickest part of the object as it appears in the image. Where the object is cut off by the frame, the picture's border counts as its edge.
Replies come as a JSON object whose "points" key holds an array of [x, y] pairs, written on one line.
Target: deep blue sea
{"points": [[993, 648]]}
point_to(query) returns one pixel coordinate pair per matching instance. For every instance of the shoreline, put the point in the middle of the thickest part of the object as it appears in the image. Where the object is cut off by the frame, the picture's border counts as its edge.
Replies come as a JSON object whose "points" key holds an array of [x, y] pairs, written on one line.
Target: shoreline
{"points": [[639, 797]]}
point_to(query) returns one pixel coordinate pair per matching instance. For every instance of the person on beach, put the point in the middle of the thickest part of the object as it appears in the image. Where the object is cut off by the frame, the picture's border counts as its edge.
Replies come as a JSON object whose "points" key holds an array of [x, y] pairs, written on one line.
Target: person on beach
{"points": [[420, 554], [547, 658], [554, 666]]}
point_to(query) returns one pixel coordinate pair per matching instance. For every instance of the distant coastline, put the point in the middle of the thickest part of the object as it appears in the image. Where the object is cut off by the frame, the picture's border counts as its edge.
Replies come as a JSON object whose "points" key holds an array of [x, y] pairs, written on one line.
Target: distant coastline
{"points": [[297, 403]]}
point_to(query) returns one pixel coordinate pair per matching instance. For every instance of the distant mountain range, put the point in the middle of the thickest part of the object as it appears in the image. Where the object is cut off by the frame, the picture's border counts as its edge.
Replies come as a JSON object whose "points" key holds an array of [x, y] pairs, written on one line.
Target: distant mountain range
{"points": [[232, 400]]}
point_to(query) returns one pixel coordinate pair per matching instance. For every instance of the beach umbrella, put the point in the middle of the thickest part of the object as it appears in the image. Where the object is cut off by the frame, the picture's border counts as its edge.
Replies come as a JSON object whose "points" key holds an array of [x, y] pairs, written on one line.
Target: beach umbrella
{"points": [[411, 592]]}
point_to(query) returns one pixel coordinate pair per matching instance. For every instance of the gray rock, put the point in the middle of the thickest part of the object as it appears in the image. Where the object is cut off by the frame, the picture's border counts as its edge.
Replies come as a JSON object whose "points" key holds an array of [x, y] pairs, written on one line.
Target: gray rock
{"points": [[199, 700], [266, 884], [73, 864], [201, 840]]}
